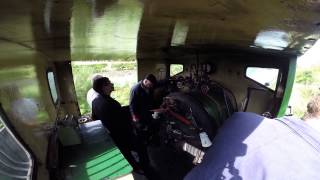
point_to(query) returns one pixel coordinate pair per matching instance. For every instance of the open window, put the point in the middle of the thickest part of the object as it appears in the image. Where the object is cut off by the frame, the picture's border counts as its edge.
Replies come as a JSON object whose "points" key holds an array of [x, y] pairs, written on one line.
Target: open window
{"points": [[15, 161], [266, 77], [52, 86], [175, 69]]}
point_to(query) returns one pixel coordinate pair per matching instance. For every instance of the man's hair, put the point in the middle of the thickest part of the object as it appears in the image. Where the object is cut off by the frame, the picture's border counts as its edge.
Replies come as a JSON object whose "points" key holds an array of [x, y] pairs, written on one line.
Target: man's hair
{"points": [[151, 78], [313, 108], [94, 77], [99, 82]]}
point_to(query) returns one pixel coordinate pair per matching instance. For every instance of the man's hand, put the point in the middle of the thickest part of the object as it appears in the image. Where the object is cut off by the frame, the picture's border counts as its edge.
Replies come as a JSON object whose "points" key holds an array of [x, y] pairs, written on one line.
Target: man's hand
{"points": [[139, 126], [135, 118]]}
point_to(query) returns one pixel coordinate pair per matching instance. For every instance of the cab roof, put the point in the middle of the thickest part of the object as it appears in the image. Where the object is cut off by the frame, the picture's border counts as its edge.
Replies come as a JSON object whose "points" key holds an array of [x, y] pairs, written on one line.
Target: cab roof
{"points": [[104, 29]]}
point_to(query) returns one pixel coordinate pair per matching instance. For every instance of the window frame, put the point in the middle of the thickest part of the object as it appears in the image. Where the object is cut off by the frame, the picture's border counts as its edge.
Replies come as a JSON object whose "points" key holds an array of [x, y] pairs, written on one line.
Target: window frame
{"points": [[183, 68], [56, 87], [261, 85], [20, 142]]}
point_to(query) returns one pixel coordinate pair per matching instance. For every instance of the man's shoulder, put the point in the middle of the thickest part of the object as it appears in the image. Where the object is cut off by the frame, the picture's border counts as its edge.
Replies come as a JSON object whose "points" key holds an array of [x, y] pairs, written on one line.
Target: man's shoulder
{"points": [[112, 101], [99, 100], [260, 143], [137, 87], [314, 123]]}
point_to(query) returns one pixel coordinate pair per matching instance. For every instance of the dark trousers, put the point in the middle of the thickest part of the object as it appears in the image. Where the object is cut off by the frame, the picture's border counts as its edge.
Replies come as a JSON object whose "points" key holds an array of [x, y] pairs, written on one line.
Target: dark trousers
{"points": [[141, 146]]}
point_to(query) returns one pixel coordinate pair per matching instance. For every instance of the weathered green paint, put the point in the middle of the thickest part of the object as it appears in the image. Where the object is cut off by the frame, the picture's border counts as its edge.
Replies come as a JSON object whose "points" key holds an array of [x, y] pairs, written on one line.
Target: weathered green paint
{"points": [[288, 88], [96, 158], [91, 166], [105, 29]]}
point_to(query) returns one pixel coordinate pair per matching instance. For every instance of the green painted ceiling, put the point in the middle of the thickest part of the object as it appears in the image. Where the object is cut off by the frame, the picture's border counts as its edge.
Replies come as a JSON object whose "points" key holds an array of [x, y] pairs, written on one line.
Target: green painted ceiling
{"points": [[112, 29]]}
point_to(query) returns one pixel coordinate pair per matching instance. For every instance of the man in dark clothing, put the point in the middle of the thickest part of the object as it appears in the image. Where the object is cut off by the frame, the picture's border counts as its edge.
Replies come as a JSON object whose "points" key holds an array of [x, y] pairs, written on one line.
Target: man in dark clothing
{"points": [[249, 146], [104, 107], [112, 116], [141, 101]]}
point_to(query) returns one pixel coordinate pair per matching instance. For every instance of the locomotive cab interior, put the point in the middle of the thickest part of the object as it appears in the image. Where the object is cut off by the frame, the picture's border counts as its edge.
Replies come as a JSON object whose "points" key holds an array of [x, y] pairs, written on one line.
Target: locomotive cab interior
{"points": [[211, 58]]}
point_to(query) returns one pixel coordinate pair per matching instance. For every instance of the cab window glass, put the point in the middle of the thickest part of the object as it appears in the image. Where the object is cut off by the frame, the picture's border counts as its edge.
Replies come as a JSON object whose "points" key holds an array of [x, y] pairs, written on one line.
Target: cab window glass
{"points": [[175, 69], [52, 86], [264, 76], [15, 160]]}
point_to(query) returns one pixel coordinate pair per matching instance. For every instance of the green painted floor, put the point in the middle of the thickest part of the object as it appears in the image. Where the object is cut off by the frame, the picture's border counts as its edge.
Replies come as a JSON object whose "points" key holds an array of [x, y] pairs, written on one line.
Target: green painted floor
{"points": [[96, 158]]}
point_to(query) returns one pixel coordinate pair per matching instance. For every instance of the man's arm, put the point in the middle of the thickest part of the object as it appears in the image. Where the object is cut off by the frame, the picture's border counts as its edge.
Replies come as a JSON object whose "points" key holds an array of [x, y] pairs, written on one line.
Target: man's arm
{"points": [[134, 104]]}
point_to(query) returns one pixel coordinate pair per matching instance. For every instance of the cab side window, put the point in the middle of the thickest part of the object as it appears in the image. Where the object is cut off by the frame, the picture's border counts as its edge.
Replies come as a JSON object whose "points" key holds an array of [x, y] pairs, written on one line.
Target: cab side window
{"points": [[266, 77], [15, 161], [52, 86], [175, 69]]}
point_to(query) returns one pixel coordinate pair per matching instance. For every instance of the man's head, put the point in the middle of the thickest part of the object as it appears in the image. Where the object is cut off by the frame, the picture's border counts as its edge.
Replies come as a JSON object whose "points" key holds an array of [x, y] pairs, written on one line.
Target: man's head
{"points": [[103, 85], [94, 77], [149, 81], [313, 108]]}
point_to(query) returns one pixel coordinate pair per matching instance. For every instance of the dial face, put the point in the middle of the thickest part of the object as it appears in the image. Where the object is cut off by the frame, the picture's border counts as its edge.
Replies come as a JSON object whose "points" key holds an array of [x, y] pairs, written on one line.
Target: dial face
{"points": [[209, 68]]}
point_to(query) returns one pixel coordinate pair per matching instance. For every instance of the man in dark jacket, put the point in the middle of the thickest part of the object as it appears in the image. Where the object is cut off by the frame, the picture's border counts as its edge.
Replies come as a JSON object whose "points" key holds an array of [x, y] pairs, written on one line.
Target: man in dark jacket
{"points": [[104, 107], [112, 116], [141, 101]]}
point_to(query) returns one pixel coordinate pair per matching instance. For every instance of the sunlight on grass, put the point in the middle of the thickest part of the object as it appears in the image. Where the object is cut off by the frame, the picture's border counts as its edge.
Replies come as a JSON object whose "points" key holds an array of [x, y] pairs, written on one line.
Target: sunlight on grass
{"points": [[307, 84], [122, 74]]}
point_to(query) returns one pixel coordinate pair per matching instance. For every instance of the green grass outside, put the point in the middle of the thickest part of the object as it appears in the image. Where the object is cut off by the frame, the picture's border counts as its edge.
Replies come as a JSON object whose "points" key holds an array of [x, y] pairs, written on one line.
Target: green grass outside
{"points": [[122, 74], [306, 85]]}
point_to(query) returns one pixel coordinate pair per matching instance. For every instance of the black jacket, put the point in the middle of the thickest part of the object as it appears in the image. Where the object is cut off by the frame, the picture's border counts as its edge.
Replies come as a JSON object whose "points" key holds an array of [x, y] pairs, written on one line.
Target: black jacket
{"points": [[110, 113], [141, 102]]}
